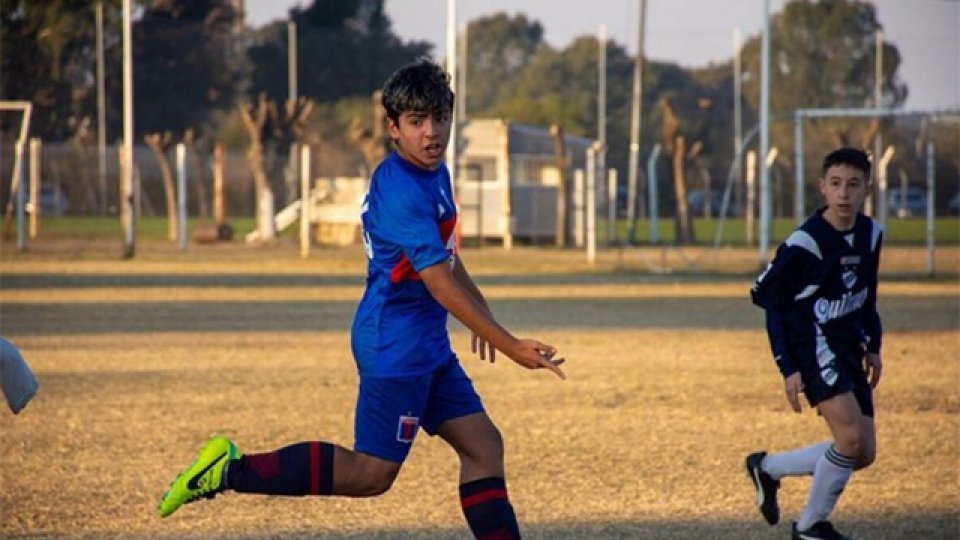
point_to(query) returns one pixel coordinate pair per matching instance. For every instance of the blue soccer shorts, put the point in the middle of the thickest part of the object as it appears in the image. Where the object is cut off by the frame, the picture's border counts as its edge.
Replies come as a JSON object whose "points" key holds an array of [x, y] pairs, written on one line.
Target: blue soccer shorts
{"points": [[841, 375], [390, 410]]}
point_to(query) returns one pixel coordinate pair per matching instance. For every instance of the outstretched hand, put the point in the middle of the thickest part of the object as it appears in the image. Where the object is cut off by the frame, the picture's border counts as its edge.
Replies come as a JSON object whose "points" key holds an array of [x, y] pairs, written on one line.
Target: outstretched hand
{"points": [[533, 354], [792, 386]]}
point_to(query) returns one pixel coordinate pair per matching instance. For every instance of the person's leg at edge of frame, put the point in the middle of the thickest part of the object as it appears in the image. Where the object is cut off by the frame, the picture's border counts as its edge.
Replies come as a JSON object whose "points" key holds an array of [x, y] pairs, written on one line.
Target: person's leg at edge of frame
{"points": [[483, 491], [854, 447]]}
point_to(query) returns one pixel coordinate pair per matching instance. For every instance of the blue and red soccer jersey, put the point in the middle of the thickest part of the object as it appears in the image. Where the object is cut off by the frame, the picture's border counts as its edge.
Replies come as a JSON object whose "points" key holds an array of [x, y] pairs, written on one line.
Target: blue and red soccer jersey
{"points": [[408, 219]]}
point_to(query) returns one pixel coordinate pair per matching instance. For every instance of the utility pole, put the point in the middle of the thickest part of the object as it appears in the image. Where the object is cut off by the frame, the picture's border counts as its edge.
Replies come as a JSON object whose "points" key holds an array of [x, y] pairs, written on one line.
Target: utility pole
{"points": [[738, 117], [451, 156], [765, 199], [636, 115], [292, 61], [126, 203], [602, 107], [101, 114]]}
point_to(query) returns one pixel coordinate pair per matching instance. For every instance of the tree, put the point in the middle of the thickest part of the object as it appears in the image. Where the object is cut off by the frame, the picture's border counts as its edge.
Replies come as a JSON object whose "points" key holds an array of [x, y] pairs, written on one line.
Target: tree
{"points": [[345, 48], [49, 59], [190, 65], [498, 48], [266, 124], [823, 56]]}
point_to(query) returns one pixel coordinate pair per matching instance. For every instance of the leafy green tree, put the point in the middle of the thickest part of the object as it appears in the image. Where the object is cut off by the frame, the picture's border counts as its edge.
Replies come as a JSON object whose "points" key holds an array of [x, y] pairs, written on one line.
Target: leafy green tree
{"points": [[191, 66], [344, 49], [499, 48], [822, 55], [49, 59]]}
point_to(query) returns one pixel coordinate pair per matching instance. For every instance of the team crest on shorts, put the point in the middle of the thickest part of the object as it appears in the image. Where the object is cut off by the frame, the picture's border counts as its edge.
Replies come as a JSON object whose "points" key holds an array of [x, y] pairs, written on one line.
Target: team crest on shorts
{"points": [[407, 428]]}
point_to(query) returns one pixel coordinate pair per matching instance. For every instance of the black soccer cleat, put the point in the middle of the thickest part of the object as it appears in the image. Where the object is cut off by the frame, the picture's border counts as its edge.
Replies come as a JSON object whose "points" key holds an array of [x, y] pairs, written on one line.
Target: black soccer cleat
{"points": [[821, 530], [766, 488]]}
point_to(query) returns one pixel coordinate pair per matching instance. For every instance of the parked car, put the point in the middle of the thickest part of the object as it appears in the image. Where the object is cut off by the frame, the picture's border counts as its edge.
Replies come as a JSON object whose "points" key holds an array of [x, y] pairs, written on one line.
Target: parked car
{"points": [[53, 201], [696, 200], [953, 206], [913, 204]]}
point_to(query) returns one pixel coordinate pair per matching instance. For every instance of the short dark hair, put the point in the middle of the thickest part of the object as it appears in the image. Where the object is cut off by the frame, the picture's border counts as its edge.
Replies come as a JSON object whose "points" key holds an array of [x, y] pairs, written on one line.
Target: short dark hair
{"points": [[853, 157], [421, 87]]}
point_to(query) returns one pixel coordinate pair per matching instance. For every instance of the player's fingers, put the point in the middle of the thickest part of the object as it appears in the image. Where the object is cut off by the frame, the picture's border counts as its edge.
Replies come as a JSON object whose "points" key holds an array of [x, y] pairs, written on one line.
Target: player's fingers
{"points": [[547, 351], [554, 366], [493, 353], [473, 343], [794, 399], [875, 376]]}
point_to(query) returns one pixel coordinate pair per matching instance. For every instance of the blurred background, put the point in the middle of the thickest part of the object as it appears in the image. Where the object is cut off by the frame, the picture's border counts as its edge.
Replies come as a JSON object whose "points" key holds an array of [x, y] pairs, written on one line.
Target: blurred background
{"points": [[573, 123]]}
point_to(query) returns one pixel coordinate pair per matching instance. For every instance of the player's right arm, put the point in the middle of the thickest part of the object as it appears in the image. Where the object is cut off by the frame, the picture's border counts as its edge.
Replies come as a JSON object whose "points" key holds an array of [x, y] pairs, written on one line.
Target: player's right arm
{"points": [[775, 291], [455, 298]]}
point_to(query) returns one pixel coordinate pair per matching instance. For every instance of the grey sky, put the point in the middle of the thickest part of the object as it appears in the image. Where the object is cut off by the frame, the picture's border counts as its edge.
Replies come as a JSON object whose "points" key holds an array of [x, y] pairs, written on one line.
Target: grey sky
{"points": [[692, 32]]}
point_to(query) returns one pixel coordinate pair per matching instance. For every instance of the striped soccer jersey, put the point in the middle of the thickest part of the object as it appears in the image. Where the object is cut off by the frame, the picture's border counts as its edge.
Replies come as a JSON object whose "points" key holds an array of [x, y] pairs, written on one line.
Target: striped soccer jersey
{"points": [[820, 293]]}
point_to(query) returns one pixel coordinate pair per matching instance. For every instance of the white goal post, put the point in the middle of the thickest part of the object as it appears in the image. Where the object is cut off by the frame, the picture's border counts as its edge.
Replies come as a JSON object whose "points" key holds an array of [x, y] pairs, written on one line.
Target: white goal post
{"points": [[26, 108]]}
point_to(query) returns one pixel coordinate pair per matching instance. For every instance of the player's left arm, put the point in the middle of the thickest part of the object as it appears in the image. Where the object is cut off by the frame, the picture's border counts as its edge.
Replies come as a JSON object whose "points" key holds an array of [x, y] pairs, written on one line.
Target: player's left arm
{"points": [[872, 363], [477, 343]]}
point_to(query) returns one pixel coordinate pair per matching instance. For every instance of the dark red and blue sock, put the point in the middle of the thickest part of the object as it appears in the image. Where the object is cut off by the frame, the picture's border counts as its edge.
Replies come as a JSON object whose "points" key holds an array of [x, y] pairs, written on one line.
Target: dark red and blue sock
{"points": [[304, 468], [488, 510]]}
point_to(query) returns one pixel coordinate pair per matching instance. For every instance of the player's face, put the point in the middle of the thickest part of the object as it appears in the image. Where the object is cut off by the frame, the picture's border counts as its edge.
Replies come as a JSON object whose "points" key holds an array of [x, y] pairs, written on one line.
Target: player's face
{"points": [[844, 188], [421, 138]]}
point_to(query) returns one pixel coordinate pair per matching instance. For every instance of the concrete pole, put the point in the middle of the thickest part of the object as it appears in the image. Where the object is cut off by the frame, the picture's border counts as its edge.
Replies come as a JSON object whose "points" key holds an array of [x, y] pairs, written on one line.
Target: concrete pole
{"points": [[602, 104], [306, 202], [799, 191], [101, 114], [652, 192], [451, 155], [292, 61], [34, 185], [765, 196], [931, 192], [126, 204], [882, 176], [751, 194], [878, 139], [181, 157], [19, 182], [611, 207], [591, 201], [219, 209], [738, 116], [636, 115]]}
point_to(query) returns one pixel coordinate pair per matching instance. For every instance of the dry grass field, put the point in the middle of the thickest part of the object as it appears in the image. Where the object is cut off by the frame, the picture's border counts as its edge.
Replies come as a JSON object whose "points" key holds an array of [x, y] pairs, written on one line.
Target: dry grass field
{"points": [[669, 386]]}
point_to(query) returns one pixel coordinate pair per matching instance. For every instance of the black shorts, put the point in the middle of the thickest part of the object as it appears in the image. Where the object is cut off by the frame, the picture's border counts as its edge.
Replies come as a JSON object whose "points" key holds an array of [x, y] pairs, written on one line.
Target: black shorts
{"points": [[842, 374]]}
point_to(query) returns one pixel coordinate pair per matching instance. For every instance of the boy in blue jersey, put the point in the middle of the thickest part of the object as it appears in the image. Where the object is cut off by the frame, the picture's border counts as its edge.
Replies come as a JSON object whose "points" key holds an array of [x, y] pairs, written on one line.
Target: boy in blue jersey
{"points": [[409, 376], [820, 298]]}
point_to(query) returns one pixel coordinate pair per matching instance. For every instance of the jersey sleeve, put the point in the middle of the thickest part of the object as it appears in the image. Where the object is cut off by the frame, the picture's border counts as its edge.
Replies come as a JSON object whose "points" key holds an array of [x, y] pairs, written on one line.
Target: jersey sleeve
{"points": [[774, 291], [871, 323], [408, 219]]}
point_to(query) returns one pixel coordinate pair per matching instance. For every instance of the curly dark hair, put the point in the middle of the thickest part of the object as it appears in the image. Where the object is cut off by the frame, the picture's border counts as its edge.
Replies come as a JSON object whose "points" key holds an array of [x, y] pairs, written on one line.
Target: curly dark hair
{"points": [[422, 87]]}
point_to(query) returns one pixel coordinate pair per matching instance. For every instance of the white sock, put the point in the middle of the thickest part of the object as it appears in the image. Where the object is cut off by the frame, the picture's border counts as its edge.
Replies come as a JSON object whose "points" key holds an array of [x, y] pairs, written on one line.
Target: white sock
{"points": [[799, 462], [829, 478]]}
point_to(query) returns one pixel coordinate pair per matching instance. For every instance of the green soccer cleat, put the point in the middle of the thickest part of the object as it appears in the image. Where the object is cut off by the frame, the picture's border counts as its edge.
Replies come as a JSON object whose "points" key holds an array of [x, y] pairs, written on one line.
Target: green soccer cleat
{"points": [[203, 478]]}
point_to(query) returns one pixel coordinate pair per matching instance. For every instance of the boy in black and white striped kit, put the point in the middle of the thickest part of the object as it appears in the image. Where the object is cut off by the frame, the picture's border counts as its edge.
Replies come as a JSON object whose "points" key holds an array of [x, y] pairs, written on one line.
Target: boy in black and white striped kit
{"points": [[820, 295]]}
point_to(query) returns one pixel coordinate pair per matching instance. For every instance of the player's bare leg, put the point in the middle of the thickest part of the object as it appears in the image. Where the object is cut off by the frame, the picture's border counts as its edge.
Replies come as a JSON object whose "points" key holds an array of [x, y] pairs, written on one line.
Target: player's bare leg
{"points": [[483, 491], [362, 475]]}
